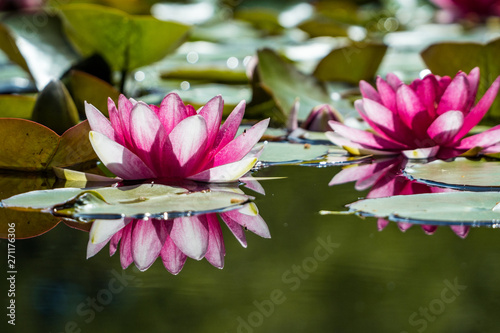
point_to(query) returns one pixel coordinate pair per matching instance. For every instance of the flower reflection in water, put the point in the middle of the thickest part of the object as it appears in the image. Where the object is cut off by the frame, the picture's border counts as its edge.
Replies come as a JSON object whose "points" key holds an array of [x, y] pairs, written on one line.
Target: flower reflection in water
{"points": [[385, 179], [174, 240]]}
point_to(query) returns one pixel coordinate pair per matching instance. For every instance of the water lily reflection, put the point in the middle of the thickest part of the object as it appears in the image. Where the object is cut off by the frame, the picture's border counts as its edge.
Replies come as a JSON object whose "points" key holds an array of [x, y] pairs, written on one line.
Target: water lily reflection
{"points": [[385, 179]]}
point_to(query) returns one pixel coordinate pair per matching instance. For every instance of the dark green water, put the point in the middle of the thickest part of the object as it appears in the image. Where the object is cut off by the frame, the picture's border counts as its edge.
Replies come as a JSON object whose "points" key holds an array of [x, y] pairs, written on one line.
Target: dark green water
{"points": [[316, 274]]}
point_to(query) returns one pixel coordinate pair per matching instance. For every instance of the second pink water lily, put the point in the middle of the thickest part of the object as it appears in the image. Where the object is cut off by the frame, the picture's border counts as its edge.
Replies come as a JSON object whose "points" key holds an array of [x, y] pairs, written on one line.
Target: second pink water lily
{"points": [[173, 141], [429, 117]]}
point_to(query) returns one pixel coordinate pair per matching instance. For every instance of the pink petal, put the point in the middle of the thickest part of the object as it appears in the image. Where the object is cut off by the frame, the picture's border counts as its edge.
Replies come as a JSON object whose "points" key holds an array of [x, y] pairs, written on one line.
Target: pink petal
{"points": [[387, 94], [190, 235], [367, 91], [146, 244], [225, 173], [422, 153], [393, 81], [118, 159], [240, 146], [230, 127], [173, 258], [427, 91], [148, 135], [98, 122], [172, 111], [215, 251], [473, 79], [212, 112], [455, 96], [116, 122], [188, 141], [403, 226], [103, 230], [477, 113], [364, 138], [484, 139], [429, 229], [126, 246], [381, 224], [93, 249], [460, 230], [113, 243], [412, 112], [235, 228], [125, 107], [254, 223], [444, 128]]}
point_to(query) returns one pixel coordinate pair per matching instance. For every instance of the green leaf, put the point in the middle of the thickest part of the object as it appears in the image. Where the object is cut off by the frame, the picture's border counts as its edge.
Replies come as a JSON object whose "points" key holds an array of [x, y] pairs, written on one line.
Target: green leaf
{"points": [[352, 63], [280, 153], [41, 49], [85, 87], [16, 106], [206, 73], [285, 83], [138, 201], [125, 41], [323, 27], [450, 57], [461, 174], [27, 224], [467, 208], [55, 108]]}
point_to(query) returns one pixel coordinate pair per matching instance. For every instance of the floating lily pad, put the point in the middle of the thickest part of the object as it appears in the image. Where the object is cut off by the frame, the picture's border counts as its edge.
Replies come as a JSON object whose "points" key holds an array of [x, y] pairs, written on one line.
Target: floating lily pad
{"points": [[285, 83], [140, 201], [450, 57], [41, 49], [461, 174], [125, 41], [352, 63], [206, 73], [16, 106], [29, 146], [284, 153], [447, 208]]}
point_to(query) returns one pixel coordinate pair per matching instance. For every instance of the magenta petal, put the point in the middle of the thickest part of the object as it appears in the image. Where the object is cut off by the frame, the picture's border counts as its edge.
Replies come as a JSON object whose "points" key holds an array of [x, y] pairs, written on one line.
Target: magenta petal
{"points": [[188, 141], [98, 122], [113, 243], [173, 258], [93, 249], [118, 159], [172, 111], [364, 138], [473, 79], [393, 81], [240, 146], [403, 226], [367, 91], [215, 251], [460, 230], [126, 245], [444, 128], [477, 113], [254, 223], [484, 139], [146, 244], [148, 135], [212, 112], [411, 110], [429, 229], [387, 94], [427, 90], [381, 224], [228, 130], [455, 96], [125, 107], [235, 228], [190, 235]]}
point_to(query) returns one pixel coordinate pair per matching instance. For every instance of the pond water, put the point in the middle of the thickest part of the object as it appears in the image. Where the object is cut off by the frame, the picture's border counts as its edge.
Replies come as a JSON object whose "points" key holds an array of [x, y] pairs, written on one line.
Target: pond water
{"points": [[318, 273]]}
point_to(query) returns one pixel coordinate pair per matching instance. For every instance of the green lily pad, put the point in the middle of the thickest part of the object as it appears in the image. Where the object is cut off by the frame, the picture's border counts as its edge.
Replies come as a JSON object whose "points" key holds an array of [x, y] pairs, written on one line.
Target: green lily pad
{"points": [[55, 108], [125, 41], [323, 27], [41, 49], [450, 57], [285, 83], [85, 87], [30, 146], [461, 174], [352, 63], [27, 224], [138, 201], [206, 73], [447, 208], [284, 153], [16, 106]]}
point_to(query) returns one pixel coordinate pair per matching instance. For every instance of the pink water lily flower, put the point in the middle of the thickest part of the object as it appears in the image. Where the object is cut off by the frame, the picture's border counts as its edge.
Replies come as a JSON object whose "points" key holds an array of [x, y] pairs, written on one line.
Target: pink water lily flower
{"points": [[469, 8], [429, 117], [142, 242], [173, 141]]}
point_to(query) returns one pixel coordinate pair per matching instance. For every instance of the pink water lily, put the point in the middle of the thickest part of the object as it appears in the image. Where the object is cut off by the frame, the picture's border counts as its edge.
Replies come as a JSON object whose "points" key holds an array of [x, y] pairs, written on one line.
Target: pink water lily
{"points": [[142, 242], [384, 179], [429, 117], [173, 141], [474, 9]]}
